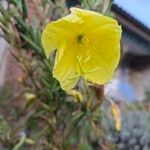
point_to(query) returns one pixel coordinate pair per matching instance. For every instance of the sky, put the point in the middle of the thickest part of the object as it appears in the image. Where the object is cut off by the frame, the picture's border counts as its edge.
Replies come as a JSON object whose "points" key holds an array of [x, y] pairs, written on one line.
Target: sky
{"points": [[139, 9]]}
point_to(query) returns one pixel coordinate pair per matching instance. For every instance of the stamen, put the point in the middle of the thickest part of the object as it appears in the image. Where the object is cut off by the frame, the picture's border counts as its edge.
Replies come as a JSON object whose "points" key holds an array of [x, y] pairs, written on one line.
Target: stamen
{"points": [[79, 38]]}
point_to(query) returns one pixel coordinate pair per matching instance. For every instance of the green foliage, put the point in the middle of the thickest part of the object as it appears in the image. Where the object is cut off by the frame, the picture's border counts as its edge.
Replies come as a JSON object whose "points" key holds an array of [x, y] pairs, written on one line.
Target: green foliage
{"points": [[40, 115]]}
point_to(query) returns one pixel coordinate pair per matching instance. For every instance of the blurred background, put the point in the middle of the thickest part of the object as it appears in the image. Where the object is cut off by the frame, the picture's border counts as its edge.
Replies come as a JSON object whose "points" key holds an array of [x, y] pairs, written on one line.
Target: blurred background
{"points": [[24, 76], [133, 73]]}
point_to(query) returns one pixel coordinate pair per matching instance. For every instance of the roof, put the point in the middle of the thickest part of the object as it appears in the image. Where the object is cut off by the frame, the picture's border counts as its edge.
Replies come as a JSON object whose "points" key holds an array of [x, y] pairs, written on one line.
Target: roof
{"points": [[137, 9]]}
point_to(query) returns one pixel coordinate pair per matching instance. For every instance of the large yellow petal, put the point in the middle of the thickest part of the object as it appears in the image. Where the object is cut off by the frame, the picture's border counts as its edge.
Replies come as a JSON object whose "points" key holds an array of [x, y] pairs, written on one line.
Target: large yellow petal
{"points": [[57, 31], [65, 67], [91, 19], [51, 38], [104, 54]]}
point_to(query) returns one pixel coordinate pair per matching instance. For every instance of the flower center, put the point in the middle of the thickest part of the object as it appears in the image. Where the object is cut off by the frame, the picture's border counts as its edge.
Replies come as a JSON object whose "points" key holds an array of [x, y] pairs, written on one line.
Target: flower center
{"points": [[80, 38]]}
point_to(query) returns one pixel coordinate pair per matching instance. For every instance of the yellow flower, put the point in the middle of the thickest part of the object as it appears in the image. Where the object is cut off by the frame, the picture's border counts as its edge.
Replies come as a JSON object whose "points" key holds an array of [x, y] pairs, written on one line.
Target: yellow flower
{"points": [[87, 44]]}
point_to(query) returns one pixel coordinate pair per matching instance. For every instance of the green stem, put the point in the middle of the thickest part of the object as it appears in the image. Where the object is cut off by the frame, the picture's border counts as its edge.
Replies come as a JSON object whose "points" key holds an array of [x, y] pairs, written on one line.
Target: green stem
{"points": [[21, 142]]}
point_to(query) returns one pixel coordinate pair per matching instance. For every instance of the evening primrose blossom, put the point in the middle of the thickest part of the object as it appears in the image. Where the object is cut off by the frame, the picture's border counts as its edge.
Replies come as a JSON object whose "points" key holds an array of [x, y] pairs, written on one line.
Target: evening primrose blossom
{"points": [[87, 44]]}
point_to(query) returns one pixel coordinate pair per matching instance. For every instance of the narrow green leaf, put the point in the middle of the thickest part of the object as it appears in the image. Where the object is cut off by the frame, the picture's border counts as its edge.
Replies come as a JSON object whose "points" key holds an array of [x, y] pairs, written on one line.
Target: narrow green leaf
{"points": [[21, 23], [24, 9], [4, 12], [29, 41]]}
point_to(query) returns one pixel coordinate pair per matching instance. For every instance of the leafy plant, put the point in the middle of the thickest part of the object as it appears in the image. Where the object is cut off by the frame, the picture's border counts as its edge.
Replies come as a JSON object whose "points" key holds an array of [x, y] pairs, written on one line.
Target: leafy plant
{"points": [[40, 115]]}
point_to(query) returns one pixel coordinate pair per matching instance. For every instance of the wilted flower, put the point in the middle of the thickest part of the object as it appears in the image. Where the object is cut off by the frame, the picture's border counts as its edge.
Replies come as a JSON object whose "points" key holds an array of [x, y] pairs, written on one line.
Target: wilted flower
{"points": [[77, 96], [29, 96], [88, 45], [116, 113]]}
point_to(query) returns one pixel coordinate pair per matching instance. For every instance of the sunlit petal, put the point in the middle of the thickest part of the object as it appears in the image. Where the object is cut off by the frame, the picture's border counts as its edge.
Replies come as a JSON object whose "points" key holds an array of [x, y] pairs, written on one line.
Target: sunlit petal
{"points": [[64, 68]]}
